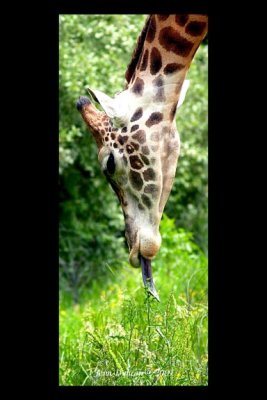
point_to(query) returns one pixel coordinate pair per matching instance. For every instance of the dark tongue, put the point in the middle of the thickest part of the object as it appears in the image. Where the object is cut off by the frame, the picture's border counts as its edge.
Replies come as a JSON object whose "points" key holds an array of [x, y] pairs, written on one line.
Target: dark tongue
{"points": [[147, 277]]}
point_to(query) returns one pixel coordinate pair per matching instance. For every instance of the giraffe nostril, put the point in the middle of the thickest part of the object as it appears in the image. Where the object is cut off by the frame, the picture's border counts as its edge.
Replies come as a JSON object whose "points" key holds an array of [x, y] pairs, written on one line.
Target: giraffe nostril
{"points": [[82, 101]]}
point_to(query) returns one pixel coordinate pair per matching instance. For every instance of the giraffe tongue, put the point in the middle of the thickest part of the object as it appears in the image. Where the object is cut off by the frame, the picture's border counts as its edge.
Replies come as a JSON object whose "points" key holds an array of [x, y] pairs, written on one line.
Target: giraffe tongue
{"points": [[147, 277]]}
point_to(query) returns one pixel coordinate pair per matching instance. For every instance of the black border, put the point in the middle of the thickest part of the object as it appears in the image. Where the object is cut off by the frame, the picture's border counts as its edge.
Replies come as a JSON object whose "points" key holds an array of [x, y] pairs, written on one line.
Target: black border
{"points": [[43, 106]]}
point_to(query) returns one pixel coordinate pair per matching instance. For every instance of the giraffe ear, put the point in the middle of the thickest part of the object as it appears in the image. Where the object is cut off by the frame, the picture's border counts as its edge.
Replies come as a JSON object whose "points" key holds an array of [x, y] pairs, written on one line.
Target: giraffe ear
{"points": [[183, 92], [115, 108], [106, 102]]}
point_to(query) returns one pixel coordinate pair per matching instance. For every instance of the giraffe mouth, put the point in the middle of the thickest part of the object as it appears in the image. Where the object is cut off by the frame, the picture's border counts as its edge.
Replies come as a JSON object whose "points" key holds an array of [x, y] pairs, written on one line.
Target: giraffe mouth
{"points": [[147, 277]]}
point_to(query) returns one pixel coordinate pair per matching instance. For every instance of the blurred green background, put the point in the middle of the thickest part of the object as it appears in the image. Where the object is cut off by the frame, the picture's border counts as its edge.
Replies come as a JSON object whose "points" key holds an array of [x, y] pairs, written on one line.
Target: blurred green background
{"points": [[107, 324]]}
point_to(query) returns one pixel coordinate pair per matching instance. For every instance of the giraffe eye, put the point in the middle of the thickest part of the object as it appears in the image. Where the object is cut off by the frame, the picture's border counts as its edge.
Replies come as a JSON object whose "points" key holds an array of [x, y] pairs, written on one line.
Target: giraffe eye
{"points": [[111, 164]]}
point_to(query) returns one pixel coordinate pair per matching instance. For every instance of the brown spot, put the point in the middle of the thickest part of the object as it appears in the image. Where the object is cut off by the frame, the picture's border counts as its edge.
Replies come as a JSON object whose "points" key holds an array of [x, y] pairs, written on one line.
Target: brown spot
{"points": [[145, 159], [138, 86], [144, 61], [151, 30], [163, 17], [135, 162], [158, 81], [122, 139], [129, 149], [106, 124], [173, 111], [171, 40], [137, 114], [115, 145], [136, 180], [109, 129], [155, 148], [134, 127], [160, 95], [141, 207], [149, 174], [124, 129], [113, 136], [145, 150], [102, 131], [146, 201], [155, 61], [155, 136], [195, 28], [121, 151], [134, 197], [152, 189], [140, 136], [165, 130], [181, 19], [135, 145], [106, 138], [173, 67], [138, 64], [155, 118]]}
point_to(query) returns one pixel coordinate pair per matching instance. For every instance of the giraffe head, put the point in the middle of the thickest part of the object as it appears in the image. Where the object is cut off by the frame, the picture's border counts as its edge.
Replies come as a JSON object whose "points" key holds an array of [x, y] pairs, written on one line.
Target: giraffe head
{"points": [[138, 149], [136, 135]]}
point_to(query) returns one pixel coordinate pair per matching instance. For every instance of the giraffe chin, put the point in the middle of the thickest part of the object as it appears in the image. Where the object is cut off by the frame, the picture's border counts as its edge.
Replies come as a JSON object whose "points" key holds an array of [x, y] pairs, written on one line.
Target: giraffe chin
{"points": [[134, 257], [146, 245]]}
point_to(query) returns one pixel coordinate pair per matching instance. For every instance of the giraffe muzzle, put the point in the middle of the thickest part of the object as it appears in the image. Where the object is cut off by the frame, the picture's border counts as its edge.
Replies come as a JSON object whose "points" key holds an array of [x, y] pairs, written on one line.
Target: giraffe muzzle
{"points": [[143, 242]]}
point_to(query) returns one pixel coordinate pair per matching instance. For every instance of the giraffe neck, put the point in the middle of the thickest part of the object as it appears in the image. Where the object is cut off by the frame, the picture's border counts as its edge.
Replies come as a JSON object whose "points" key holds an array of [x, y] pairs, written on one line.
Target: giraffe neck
{"points": [[169, 45]]}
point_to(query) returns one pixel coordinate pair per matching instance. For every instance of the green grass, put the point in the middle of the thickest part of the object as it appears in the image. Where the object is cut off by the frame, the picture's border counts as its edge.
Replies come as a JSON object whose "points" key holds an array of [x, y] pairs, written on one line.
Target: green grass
{"points": [[118, 335]]}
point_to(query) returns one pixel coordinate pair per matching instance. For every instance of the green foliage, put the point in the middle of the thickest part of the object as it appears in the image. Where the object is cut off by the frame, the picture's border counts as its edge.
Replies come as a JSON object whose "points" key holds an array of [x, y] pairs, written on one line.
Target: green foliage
{"points": [[118, 336]]}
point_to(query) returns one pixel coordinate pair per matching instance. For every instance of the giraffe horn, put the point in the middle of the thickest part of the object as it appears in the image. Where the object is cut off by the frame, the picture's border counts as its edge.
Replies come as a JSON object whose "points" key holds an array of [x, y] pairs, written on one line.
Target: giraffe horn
{"points": [[147, 277]]}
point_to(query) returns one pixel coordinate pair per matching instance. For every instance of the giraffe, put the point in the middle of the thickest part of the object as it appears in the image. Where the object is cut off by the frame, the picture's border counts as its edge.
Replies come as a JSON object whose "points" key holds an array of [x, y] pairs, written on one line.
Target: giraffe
{"points": [[136, 135]]}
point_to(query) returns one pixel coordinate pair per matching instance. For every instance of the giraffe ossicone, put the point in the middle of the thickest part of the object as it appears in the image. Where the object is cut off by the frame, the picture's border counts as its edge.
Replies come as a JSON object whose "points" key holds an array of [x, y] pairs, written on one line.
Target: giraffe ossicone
{"points": [[138, 143]]}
